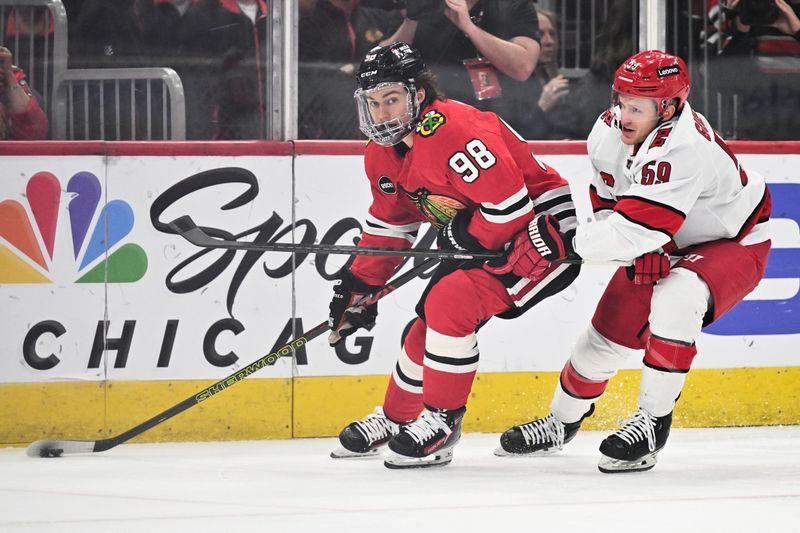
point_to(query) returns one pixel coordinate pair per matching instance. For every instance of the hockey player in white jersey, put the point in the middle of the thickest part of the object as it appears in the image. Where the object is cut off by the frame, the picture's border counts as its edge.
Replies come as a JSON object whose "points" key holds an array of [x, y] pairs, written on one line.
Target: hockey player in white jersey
{"points": [[670, 197]]}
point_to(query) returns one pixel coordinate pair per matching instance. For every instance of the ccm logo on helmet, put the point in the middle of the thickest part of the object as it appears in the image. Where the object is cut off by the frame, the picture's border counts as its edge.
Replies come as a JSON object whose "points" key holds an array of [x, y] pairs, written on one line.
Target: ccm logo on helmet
{"points": [[538, 242], [667, 71]]}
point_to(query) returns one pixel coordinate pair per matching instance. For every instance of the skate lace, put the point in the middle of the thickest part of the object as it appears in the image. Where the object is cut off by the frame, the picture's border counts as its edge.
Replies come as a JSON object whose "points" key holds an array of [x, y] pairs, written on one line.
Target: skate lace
{"points": [[639, 427], [427, 426], [376, 426], [543, 430]]}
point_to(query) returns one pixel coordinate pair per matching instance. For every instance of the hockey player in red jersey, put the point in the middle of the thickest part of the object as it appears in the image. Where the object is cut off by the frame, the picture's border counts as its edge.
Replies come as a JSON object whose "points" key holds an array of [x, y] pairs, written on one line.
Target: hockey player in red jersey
{"points": [[664, 181], [466, 172]]}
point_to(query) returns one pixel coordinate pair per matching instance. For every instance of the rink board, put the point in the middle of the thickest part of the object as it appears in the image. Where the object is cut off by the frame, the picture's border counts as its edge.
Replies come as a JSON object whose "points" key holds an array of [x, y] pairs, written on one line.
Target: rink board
{"points": [[108, 319]]}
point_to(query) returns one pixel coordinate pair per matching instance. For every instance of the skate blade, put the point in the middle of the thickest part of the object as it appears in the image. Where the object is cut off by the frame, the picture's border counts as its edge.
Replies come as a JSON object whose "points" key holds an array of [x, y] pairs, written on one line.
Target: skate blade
{"points": [[344, 453], [607, 465], [500, 452], [398, 462]]}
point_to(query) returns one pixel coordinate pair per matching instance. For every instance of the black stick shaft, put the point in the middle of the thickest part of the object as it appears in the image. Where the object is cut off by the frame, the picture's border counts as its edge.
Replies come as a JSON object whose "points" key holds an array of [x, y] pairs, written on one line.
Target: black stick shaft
{"points": [[186, 228]]}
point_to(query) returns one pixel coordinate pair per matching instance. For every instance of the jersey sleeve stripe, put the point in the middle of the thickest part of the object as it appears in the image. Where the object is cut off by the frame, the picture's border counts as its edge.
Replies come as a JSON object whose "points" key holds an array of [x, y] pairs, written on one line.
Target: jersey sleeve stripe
{"points": [[649, 201], [514, 211], [508, 203], [565, 214], [598, 202], [561, 206], [651, 215], [552, 194], [555, 204], [380, 228]]}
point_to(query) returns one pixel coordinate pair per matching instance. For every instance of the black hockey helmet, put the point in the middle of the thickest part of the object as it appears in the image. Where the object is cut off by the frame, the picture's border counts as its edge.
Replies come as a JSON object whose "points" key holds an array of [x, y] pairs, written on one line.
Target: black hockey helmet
{"points": [[396, 62], [387, 69]]}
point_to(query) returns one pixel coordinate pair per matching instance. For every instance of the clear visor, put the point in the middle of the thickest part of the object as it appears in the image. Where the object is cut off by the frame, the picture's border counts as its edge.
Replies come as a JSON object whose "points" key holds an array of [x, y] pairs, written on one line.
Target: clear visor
{"points": [[387, 112]]}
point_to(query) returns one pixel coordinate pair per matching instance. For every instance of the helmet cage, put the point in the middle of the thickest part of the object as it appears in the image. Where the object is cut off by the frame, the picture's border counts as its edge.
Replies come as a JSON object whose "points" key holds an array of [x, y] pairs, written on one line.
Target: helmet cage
{"points": [[392, 131]]}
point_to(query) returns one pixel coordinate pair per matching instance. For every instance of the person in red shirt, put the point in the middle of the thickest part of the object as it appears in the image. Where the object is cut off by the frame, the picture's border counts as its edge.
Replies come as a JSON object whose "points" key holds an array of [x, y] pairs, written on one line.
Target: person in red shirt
{"points": [[21, 117], [470, 175]]}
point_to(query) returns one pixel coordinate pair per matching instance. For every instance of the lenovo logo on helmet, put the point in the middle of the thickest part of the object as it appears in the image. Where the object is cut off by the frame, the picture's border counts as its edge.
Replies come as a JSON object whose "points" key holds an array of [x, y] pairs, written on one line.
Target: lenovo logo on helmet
{"points": [[667, 71]]}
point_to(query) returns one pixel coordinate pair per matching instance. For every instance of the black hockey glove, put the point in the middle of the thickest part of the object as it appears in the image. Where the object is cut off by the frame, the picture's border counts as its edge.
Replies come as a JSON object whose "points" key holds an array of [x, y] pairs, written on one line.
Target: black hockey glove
{"points": [[420, 9], [345, 318], [648, 268], [454, 235]]}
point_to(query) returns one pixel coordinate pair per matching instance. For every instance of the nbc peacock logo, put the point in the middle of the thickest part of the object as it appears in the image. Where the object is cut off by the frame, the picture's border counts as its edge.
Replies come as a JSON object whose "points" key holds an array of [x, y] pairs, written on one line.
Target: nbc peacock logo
{"points": [[29, 238]]}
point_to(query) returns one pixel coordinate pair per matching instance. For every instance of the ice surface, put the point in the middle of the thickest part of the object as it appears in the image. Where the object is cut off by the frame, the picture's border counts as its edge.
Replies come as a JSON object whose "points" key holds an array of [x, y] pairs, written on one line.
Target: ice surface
{"points": [[743, 479]]}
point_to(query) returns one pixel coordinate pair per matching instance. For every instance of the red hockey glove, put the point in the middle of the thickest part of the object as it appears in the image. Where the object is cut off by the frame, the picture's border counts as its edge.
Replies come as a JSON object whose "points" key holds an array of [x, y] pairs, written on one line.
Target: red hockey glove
{"points": [[648, 268], [345, 318], [532, 251]]}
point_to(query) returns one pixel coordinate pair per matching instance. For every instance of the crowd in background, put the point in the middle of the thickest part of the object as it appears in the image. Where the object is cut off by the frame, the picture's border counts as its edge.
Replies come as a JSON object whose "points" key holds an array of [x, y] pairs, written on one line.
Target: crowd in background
{"points": [[498, 55]]}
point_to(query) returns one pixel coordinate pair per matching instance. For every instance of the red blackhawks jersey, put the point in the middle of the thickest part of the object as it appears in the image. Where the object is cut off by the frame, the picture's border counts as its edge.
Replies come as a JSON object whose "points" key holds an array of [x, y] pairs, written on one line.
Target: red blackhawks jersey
{"points": [[682, 186], [462, 158]]}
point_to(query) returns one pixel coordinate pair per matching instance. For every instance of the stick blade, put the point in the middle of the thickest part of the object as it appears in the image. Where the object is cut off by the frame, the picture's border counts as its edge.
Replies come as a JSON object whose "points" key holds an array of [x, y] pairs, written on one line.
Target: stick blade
{"points": [[57, 448], [186, 228]]}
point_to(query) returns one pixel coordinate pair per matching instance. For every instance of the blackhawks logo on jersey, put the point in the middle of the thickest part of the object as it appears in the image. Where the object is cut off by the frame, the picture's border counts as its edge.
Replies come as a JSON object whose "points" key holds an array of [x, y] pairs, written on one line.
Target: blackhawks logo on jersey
{"points": [[430, 122], [436, 208]]}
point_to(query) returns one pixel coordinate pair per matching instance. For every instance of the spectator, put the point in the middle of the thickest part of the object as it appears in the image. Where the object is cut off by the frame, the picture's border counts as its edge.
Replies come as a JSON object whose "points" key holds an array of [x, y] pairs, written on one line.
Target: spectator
{"points": [[340, 32], [159, 25], [21, 117], [333, 36], [31, 30], [573, 116], [223, 44], [549, 85], [106, 36], [483, 51], [760, 65], [306, 6]]}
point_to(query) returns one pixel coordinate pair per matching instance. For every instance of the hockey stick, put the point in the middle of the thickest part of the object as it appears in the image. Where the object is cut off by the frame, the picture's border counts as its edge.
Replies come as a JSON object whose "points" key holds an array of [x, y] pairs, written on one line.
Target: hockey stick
{"points": [[186, 228], [57, 448]]}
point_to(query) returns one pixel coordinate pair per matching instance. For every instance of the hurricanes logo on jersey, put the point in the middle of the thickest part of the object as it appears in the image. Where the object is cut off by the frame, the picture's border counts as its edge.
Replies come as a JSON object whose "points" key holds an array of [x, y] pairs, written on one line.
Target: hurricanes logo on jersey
{"points": [[430, 122], [438, 209]]}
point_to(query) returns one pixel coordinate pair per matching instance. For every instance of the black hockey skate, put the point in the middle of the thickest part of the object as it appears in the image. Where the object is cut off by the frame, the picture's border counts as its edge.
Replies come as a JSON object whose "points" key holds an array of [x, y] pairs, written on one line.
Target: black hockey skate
{"points": [[427, 441], [635, 447], [366, 438], [542, 436]]}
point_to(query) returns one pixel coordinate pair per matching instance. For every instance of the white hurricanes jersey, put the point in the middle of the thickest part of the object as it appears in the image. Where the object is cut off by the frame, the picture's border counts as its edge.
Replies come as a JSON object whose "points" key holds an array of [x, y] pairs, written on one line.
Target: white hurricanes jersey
{"points": [[682, 186]]}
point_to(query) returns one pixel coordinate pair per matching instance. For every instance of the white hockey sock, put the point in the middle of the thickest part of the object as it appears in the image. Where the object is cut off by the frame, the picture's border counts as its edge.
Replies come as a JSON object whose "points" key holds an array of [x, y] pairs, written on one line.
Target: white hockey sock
{"points": [[659, 390], [568, 409]]}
